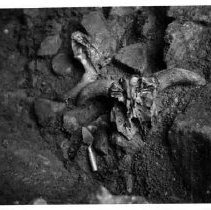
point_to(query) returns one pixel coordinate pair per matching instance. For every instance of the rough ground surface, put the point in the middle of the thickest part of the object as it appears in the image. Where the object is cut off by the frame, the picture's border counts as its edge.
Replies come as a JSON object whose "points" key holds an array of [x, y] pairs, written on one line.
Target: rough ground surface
{"points": [[43, 150]]}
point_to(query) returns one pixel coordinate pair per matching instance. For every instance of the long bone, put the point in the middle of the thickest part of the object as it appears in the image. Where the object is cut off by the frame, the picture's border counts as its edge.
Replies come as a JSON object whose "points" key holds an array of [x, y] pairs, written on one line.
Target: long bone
{"points": [[160, 81], [82, 50]]}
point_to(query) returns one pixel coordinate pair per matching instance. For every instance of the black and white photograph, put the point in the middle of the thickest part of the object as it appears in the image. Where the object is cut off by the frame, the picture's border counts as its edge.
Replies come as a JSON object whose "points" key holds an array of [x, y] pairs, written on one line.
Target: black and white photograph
{"points": [[105, 105]]}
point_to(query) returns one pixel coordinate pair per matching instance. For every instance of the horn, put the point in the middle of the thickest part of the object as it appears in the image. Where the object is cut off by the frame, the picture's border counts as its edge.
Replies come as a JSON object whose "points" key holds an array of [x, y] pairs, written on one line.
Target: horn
{"points": [[176, 76], [98, 88]]}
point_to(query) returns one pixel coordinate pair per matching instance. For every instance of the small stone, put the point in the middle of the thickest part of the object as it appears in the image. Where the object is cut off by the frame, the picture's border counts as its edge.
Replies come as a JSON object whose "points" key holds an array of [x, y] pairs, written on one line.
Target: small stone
{"points": [[50, 45], [61, 64], [134, 56], [87, 136]]}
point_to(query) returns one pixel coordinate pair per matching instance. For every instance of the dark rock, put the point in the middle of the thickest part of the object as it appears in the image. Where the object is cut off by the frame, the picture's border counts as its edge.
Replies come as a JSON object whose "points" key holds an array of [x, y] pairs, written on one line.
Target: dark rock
{"points": [[61, 64], [81, 116], [190, 143], [134, 56], [47, 111], [189, 47], [193, 13], [102, 37], [101, 141], [50, 45]]}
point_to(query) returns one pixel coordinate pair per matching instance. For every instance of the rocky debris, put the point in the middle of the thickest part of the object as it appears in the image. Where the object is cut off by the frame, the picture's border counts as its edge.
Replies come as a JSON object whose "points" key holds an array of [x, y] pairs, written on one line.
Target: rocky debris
{"points": [[135, 57], [47, 111], [81, 116], [189, 47], [192, 13], [50, 45], [61, 65], [130, 147], [190, 144], [102, 38], [103, 196]]}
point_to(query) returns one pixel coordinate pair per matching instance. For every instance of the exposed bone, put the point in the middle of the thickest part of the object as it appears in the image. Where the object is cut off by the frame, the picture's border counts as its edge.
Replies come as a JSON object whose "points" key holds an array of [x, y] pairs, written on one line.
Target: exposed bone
{"points": [[177, 76], [97, 88], [81, 50]]}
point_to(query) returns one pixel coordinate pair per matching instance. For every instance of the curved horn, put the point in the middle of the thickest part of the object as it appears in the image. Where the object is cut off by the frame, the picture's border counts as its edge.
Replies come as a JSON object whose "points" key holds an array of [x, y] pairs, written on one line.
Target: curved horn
{"points": [[175, 76], [98, 88]]}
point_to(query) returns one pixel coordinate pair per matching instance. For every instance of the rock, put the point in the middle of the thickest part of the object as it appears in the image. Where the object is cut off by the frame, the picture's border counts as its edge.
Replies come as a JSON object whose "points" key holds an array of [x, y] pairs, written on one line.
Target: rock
{"points": [[130, 147], [87, 136], [102, 37], [192, 13], [101, 141], [47, 111], [190, 144], [134, 56], [189, 47], [50, 45], [61, 64], [81, 116], [103, 196]]}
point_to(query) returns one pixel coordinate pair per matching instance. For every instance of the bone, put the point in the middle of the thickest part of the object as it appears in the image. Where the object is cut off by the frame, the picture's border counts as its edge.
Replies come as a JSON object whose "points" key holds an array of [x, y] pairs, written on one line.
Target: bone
{"points": [[176, 76], [97, 88], [81, 53]]}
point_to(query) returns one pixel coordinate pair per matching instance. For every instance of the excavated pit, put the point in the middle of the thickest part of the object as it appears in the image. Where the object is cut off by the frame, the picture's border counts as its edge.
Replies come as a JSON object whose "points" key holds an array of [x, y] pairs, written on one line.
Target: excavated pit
{"points": [[44, 138]]}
